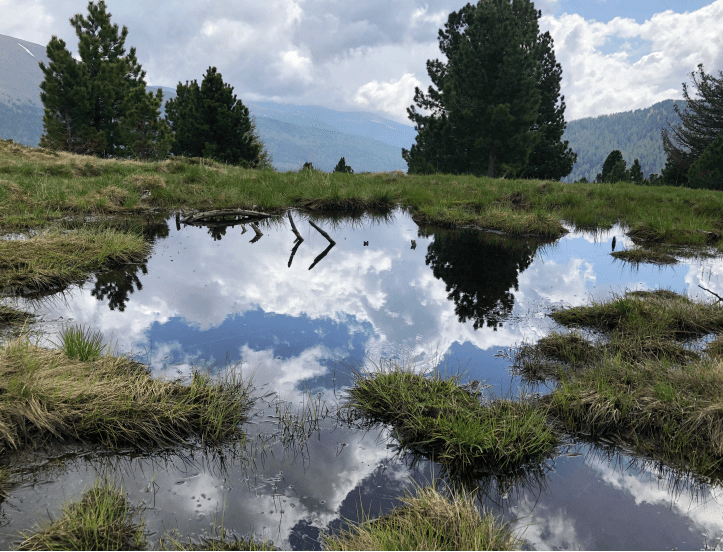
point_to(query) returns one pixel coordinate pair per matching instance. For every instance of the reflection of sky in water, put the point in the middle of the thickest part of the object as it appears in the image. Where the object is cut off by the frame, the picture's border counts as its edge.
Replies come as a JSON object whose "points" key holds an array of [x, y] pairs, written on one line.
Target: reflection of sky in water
{"points": [[454, 302]]}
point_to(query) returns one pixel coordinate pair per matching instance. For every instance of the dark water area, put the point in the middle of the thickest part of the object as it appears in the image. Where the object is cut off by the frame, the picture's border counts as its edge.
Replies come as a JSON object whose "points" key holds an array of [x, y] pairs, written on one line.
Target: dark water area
{"points": [[299, 323]]}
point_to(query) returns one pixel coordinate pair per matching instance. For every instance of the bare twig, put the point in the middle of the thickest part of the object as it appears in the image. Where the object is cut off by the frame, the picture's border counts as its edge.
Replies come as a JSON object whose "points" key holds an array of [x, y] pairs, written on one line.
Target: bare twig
{"points": [[259, 233], [709, 291], [294, 230], [327, 236]]}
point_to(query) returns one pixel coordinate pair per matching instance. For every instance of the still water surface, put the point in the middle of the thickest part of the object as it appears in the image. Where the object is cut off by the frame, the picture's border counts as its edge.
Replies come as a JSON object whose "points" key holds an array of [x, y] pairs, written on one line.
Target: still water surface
{"points": [[300, 324]]}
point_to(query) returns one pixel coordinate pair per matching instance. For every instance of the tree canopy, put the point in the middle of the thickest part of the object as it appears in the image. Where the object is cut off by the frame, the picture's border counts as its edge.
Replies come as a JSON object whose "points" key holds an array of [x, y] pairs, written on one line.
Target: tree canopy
{"points": [[98, 105], [209, 121], [701, 123], [341, 166], [493, 110]]}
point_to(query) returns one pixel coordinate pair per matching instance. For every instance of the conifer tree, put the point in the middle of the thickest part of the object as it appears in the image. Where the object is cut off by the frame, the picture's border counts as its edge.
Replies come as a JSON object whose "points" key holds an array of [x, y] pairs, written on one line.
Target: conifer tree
{"points": [[488, 97], [341, 166], [550, 159], [85, 100], [636, 172], [145, 134], [67, 103], [613, 169], [209, 121], [707, 170], [701, 122]]}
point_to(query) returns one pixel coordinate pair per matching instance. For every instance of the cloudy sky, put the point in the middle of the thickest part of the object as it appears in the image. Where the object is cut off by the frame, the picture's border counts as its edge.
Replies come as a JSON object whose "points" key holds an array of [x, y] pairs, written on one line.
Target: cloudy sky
{"points": [[616, 55]]}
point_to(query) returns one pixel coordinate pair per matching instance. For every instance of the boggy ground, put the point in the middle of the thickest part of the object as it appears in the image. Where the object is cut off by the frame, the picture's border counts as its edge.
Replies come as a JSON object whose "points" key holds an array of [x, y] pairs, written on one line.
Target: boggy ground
{"points": [[640, 383], [38, 186], [84, 393]]}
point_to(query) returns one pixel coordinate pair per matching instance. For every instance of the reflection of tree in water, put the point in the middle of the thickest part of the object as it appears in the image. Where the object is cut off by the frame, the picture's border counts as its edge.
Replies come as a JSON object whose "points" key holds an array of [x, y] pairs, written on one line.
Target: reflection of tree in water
{"points": [[117, 285], [217, 232], [480, 270]]}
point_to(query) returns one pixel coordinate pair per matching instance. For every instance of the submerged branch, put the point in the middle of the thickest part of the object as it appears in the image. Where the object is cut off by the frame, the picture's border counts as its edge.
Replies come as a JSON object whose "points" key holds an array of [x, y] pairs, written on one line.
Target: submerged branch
{"points": [[294, 230], [327, 236]]}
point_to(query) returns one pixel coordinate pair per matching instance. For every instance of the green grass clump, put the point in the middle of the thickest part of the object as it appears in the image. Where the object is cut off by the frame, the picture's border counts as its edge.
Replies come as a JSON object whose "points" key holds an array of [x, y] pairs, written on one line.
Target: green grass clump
{"points": [[55, 259], [428, 521], [442, 419], [111, 400], [639, 385], [660, 312], [81, 343], [102, 520]]}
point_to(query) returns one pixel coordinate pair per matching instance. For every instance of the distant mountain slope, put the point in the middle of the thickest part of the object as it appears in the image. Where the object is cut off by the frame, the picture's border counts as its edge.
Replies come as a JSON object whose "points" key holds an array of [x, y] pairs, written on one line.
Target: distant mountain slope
{"points": [[297, 134], [635, 133], [367, 141], [21, 111]]}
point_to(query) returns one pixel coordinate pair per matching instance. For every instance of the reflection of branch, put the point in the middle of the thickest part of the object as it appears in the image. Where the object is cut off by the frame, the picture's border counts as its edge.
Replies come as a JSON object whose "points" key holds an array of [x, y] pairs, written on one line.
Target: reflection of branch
{"points": [[178, 222], [294, 230], [323, 253], [259, 233], [293, 251], [327, 236], [709, 291]]}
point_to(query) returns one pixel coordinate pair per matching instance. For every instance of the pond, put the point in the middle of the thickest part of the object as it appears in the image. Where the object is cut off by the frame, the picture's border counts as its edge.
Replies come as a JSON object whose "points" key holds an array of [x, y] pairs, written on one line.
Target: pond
{"points": [[300, 318]]}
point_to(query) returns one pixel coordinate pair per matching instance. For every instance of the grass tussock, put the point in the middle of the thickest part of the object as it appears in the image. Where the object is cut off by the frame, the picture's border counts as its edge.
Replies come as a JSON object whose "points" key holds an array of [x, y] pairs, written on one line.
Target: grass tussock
{"points": [[102, 520], [37, 186], [13, 317], [637, 256], [639, 384], [111, 400], [661, 312], [55, 259], [428, 521], [449, 422]]}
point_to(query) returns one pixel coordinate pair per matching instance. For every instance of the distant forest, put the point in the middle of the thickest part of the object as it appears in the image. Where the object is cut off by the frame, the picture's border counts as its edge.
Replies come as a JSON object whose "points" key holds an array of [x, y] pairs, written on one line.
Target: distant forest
{"points": [[636, 134]]}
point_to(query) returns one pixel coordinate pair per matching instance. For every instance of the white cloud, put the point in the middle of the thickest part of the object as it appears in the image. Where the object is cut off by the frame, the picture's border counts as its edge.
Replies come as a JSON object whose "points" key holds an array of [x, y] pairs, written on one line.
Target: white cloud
{"points": [[388, 97]]}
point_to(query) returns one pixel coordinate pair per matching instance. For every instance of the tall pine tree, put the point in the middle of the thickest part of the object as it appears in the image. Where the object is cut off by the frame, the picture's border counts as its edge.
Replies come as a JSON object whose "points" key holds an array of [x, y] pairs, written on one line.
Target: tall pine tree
{"points": [[209, 121], [86, 100], [487, 111], [550, 159], [701, 122]]}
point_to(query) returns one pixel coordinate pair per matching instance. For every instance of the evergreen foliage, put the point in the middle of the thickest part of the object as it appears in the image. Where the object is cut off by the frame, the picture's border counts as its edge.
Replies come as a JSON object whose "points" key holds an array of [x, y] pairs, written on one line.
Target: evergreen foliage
{"points": [[707, 170], [636, 172], [614, 169], [341, 166], [146, 135], [89, 104], [635, 133], [551, 158], [209, 121], [702, 122], [493, 110]]}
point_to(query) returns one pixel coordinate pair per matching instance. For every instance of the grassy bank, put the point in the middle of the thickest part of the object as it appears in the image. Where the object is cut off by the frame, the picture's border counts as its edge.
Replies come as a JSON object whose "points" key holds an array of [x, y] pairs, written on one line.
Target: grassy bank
{"points": [[37, 186], [428, 521], [449, 422], [52, 260], [79, 393], [640, 384]]}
